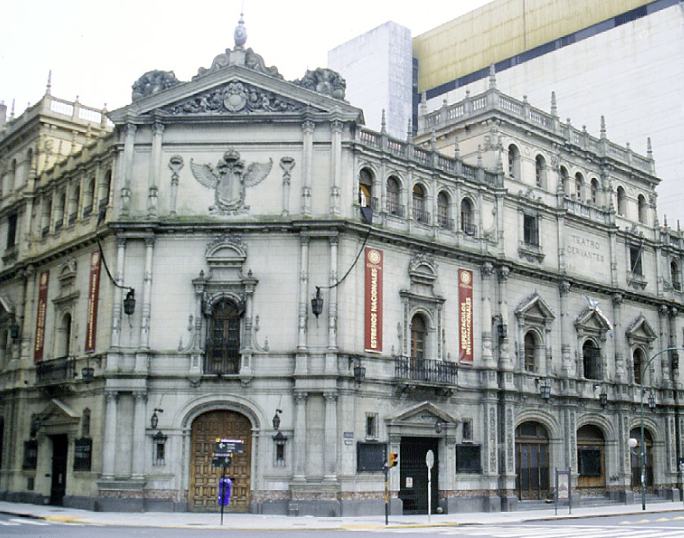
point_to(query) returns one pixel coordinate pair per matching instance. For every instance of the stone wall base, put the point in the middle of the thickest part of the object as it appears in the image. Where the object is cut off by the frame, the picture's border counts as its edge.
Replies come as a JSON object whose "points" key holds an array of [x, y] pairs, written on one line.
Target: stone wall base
{"points": [[479, 503]]}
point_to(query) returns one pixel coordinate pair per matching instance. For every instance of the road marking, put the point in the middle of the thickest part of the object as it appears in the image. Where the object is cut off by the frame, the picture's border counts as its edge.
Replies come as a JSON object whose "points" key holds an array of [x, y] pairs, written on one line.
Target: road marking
{"points": [[29, 522], [8, 524], [662, 519]]}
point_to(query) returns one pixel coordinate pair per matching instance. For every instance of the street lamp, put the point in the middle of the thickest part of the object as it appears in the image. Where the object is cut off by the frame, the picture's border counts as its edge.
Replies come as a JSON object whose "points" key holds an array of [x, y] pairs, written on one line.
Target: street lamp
{"points": [[651, 405]]}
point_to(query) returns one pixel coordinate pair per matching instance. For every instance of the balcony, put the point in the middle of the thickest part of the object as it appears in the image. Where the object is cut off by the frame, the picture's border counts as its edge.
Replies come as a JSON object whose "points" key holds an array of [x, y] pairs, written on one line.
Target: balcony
{"points": [[425, 372], [55, 371], [445, 222], [420, 215], [393, 207], [222, 357]]}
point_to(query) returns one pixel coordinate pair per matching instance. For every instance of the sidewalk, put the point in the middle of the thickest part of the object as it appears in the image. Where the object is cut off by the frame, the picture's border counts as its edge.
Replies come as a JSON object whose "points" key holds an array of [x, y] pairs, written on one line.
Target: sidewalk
{"points": [[263, 522]]}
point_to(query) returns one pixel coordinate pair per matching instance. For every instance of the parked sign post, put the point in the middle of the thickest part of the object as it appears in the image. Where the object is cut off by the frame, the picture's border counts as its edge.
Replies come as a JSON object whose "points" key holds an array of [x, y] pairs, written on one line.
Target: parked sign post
{"points": [[563, 489], [429, 462], [223, 457]]}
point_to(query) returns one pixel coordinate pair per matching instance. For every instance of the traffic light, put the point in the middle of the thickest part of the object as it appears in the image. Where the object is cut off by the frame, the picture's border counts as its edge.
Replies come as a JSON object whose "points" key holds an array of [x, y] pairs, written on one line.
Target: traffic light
{"points": [[393, 459]]}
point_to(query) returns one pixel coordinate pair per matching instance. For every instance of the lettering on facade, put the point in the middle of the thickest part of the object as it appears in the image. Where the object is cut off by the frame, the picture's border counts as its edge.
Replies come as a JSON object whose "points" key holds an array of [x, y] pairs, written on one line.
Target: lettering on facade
{"points": [[40, 316], [373, 300], [93, 297], [586, 248], [465, 314]]}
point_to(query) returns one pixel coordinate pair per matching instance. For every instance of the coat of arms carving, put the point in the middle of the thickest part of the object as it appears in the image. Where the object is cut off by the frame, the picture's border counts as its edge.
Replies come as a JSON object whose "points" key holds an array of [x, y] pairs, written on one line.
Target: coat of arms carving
{"points": [[230, 179]]}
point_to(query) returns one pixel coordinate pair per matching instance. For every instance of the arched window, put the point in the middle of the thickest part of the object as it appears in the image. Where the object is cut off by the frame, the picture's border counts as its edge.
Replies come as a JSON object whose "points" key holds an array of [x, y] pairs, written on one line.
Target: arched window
{"points": [[419, 203], [12, 176], [621, 201], [85, 423], [365, 188], [540, 170], [443, 211], [531, 346], [47, 215], [75, 202], [107, 187], [394, 206], [513, 161], [64, 336], [60, 210], [223, 339], [564, 179], [467, 217], [675, 275], [594, 190], [591, 358], [89, 197], [579, 186], [418, 340], [642, 208], [637, 364]]}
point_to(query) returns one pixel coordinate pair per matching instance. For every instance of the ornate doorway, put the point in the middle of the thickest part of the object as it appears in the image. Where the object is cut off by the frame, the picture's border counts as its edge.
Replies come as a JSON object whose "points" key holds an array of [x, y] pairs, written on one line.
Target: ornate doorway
{"points": [[591, 457], [532, 461], [206, 428], [413, 475]]}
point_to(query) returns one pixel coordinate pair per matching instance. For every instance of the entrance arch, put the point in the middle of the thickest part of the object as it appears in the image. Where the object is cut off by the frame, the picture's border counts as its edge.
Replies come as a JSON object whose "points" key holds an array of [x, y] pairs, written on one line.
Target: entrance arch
{"points": [[591, 448], [635, 459], [206, 428], [532, 461]]}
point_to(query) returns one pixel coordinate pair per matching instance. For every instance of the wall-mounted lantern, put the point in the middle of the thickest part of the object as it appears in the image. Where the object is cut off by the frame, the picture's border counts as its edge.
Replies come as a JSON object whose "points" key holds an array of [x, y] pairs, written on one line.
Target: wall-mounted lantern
{"points": [[544, 388]]}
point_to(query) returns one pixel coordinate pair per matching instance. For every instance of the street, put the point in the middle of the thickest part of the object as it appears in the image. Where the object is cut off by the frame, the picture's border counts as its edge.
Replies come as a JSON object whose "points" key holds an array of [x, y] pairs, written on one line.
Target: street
{"points": [[649, 525]]}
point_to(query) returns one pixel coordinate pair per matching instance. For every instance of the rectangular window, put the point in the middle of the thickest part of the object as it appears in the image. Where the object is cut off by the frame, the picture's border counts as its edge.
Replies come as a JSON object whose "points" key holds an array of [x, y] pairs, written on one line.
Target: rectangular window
{"points": [[370, 457], [371, 425], [11, 230], [30, 455], [531, 230], [468, 459], [83, 451], [635, 260], [467, 429], [589, 461]]}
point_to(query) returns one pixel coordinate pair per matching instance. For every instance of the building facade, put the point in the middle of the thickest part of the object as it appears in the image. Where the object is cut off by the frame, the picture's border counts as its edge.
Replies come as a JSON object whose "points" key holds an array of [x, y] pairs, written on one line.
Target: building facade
{"points": [[239, 257]]}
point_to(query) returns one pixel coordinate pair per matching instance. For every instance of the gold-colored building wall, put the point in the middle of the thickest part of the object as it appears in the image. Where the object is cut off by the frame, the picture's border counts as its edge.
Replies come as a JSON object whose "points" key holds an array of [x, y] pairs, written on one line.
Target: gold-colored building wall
{"points": [[501, 29]]}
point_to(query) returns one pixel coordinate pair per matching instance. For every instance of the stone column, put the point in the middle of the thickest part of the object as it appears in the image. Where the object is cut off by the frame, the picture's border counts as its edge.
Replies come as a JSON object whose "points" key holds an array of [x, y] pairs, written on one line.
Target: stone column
{"points": [[304, 301], [109, 448], [620, 374], [505, 362], [138, 442], [307, 165], [330, 462], [336, 166], [331, 358], [129, 148], [118, 295], [147, 294], [300, 437], [155, 169], [567, 369]]}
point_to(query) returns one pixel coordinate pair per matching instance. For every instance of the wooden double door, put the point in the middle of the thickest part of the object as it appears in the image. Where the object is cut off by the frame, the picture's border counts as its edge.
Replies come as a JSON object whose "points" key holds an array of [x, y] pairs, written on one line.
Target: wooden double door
{"points": [[204, 478], [532, 462]]}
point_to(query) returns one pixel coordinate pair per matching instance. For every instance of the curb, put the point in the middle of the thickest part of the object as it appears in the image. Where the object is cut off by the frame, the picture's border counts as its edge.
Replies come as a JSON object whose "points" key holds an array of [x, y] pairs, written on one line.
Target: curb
{"points": [[583, 516]]}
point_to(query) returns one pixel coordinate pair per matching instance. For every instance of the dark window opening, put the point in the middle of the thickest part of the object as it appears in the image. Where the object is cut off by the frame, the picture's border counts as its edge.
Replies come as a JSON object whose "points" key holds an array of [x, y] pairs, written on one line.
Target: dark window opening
{"points": [[591, 358], [468, 459], [531, 230], [370, 457], [11, 230], [635, 260]]}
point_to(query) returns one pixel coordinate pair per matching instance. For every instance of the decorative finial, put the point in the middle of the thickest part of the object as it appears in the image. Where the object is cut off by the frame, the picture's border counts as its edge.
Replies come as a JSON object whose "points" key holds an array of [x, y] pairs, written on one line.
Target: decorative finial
{"points": [[492, 77], [479, 156], [649, 148], [12, 110], [409, 131], [525, 99], [48, 86], [554, 106], [457, 150], [603, 126], [433, 140], [383, 123], [240, 34]]}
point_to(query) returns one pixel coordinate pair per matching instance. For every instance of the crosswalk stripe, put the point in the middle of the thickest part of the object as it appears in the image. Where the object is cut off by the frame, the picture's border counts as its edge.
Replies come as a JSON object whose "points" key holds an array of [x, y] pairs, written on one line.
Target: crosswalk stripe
{"points": [[29, 522], [8, 524]]}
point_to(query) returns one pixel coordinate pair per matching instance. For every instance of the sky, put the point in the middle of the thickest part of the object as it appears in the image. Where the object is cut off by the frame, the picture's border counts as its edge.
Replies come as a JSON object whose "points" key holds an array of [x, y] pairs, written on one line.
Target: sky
{"points": [[96, 49]]}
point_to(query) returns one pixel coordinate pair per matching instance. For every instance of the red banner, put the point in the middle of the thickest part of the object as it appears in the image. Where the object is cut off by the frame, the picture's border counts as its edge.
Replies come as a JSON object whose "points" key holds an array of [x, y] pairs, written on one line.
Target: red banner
{"points": [[465, 315], [93, 296], [40, 316], [373, 313]]}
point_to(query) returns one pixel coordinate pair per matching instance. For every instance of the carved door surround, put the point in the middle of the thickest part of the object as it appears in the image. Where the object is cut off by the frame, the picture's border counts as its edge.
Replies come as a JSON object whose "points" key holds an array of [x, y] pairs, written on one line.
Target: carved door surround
{"points": [[534, 313], [226, 280], [421, 298]]}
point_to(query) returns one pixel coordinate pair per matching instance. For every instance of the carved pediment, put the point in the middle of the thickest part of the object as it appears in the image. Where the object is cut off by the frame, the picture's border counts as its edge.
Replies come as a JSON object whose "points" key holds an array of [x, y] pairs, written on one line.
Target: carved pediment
{"points": [[640, 330], [425, 413], [593, 320], [234, 97], [535, 309]]}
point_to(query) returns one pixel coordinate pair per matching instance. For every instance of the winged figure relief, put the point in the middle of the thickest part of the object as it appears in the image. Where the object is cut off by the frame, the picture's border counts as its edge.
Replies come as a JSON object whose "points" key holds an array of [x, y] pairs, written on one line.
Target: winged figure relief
{"points": [[230, 179]]}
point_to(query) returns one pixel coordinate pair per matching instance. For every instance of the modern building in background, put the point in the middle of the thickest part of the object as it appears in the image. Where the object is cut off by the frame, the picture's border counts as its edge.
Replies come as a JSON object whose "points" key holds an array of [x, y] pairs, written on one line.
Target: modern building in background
{"points": [[380, 65], [240, 257], [620, 59]]}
